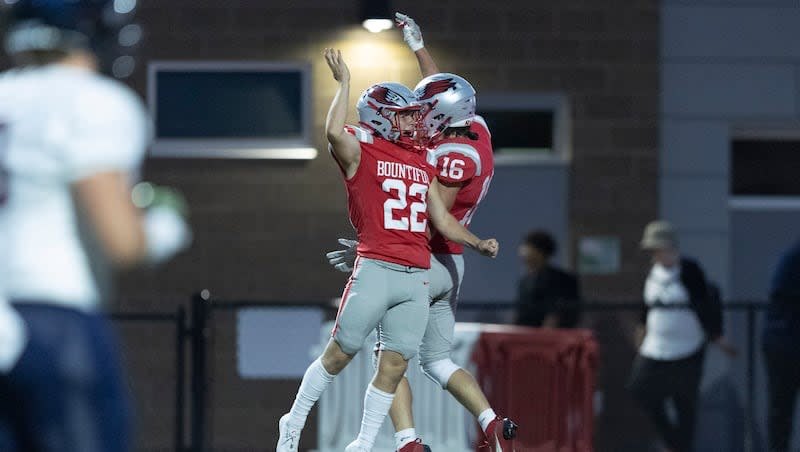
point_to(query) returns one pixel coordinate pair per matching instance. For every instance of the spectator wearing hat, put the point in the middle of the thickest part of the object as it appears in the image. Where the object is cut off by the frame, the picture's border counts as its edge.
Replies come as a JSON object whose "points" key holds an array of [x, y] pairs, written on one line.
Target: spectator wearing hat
{"points": [[675, 326], [547, 296], [780, 339]]}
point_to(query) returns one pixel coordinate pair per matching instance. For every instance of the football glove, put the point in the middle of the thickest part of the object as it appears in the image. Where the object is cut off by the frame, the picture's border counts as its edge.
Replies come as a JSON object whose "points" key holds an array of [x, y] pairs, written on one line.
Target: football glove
{"points": [[166, 229], [344, 260], [412, 34]]}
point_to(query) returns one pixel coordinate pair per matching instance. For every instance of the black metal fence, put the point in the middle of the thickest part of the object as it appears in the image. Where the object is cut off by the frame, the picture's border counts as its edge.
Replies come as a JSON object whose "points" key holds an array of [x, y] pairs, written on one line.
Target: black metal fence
{"points": [[196, 335], [178, 320]]}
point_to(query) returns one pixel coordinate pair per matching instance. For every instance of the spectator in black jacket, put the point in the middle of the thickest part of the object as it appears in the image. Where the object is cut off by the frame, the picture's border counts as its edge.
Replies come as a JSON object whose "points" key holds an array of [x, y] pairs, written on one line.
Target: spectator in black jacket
{"points": [[780, 339], [547, 296], [678, 320]]}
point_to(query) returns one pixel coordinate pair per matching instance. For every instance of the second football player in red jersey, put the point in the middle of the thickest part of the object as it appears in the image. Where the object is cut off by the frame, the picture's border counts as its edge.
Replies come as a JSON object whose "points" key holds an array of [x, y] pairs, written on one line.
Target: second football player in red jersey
{"points": [[392, 192], [461, 143]]}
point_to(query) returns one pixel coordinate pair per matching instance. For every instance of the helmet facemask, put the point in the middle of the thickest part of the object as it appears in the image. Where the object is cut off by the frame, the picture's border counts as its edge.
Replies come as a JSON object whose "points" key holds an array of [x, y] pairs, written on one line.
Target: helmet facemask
{"points": [[408, 135], [448, 100], [380, 109]]}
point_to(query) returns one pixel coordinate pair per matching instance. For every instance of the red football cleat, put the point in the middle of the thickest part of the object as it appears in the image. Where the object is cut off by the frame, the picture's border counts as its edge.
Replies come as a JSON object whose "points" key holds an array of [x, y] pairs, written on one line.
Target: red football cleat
{"points": [[415, 446], [499, 435]]}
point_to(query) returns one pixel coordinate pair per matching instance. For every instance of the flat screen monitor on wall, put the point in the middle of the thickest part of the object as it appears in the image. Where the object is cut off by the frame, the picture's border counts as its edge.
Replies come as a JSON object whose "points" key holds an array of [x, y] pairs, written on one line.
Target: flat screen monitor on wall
{"points": [[231, 110]]}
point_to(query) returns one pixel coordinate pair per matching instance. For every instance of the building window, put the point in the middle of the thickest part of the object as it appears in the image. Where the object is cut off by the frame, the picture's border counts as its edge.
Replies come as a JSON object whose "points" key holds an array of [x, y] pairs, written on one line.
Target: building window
{"points": [[521, 131], [527, 127], [230, 109], [765, 167]]}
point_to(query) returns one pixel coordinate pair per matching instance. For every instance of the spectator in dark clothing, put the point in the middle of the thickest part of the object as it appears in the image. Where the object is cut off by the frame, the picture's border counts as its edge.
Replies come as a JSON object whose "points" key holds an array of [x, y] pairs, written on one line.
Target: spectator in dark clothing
{"points": [[780, 339], [547, 296]]}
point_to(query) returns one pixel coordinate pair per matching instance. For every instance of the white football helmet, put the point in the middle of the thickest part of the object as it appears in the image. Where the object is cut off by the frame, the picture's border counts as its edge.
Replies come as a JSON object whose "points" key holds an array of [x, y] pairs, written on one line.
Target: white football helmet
{"points": [[378, 105], [447, 100]]}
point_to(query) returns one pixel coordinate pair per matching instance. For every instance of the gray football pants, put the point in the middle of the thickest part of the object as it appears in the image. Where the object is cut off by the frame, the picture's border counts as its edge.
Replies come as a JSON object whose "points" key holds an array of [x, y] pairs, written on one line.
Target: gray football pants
{"points": [[390, 297], [445, 275]]}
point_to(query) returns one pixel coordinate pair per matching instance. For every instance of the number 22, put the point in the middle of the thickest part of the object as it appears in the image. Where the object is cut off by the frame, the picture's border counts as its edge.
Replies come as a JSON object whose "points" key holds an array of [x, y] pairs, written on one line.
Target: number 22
{"points": [[412, 222]]}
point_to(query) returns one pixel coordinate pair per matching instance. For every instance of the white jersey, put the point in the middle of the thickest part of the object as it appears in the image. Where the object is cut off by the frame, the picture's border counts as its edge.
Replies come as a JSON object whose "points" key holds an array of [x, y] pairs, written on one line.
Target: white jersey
{"points": [[58, 125], [671, 333]]}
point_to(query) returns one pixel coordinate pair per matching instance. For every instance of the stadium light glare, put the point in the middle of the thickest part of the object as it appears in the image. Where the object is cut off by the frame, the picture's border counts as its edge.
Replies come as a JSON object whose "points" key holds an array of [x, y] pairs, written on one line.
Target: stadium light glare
{"points": [[377, 25], [376, 15]]}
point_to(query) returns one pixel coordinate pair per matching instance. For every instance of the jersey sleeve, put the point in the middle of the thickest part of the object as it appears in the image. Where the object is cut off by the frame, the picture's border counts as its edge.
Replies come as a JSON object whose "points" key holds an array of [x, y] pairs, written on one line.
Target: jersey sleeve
{"points": [[479, 126], [457, 162], [362, 135], [111, 131]]}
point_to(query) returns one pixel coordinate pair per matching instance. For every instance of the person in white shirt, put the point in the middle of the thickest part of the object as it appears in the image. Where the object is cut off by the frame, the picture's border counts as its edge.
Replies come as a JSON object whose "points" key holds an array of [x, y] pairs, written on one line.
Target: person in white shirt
{"points": [[71, 143], [676, 325]]}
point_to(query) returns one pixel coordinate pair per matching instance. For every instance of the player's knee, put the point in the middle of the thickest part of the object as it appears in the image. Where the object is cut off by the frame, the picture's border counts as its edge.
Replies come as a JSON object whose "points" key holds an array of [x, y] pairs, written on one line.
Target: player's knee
{"points": [[392, 365], [335, 359], [350, 342], [439, 371]]}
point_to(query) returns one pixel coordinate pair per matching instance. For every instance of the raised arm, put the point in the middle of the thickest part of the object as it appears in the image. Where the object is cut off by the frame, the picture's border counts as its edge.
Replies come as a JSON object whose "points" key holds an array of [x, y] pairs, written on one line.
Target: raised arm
{"points": [[426, 64], [452, 229], [344, 146], [412, 35]]}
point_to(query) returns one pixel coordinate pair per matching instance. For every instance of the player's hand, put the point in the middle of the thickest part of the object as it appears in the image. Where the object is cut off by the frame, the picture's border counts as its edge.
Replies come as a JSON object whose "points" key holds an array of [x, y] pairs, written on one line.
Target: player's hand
{"points": [[165, 220], [412, 34], [338, 67], [488, 247], [344, 260]]}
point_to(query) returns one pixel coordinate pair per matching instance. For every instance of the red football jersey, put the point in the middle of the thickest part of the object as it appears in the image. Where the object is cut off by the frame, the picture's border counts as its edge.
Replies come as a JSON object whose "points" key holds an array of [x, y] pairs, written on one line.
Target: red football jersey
{"points": [[387, 201], [461, 160]]}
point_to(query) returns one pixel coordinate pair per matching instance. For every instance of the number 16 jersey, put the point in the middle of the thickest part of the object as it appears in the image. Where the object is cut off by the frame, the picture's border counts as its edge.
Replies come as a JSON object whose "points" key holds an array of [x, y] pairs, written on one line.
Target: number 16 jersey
{"points": [[387, 201]]}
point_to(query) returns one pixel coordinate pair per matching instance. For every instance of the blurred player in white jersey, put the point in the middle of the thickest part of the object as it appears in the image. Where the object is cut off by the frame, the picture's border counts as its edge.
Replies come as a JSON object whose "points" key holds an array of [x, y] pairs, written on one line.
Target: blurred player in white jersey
{"points": [[71, 143], [461, 142]]}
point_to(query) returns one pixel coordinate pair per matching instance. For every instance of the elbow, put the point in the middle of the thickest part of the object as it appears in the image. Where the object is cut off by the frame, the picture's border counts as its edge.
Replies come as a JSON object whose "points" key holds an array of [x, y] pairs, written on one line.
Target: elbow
{"points": [[440, 225], [334, 136]]}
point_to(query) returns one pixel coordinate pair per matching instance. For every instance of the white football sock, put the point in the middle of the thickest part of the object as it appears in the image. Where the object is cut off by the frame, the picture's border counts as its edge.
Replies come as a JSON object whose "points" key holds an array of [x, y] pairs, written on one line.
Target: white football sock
{"points": [[486, 418], [315, 381], [376, 407], [404, 437]]}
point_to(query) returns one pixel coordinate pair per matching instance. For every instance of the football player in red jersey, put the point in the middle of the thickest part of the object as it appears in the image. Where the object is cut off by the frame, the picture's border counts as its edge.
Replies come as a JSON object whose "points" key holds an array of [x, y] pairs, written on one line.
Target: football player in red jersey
{"points": [[461, 143], [392, 191]]}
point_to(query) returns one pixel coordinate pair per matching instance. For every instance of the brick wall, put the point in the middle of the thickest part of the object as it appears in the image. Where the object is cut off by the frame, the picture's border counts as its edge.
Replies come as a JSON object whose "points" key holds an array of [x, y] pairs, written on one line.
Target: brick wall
{"points": [[249, 214], [261, 226]]}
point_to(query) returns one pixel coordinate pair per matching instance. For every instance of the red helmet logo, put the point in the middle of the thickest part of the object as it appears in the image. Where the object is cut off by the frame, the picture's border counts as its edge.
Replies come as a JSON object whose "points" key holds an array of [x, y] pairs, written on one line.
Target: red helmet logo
{"points": [[385, 96], [437, 87]]}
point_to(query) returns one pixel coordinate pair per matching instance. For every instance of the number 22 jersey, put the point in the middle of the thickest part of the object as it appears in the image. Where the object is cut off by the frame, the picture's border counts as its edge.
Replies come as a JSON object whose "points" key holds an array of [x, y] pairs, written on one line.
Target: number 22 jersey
{"points": [[387, 201]]}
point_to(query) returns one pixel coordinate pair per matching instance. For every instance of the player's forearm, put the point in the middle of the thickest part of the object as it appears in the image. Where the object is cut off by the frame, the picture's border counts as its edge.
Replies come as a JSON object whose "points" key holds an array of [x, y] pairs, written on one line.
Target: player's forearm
{"points": [[426, 64], [104, 198], [452, 230], [337, 114]]}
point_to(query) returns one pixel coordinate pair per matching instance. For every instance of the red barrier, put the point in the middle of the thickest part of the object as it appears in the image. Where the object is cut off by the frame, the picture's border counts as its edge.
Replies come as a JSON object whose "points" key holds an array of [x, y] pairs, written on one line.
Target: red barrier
{"points": [[544, 380]]}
